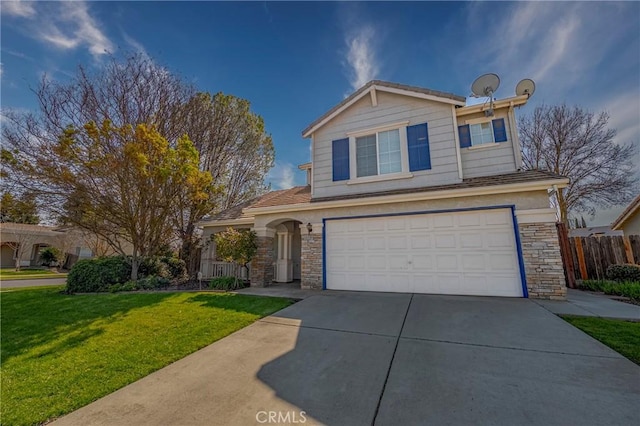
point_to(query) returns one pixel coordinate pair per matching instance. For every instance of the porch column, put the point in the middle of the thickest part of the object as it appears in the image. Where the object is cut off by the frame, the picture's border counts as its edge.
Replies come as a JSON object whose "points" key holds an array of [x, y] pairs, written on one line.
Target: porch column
{"points": [[541, 254], [311, 257], [262, 263]]}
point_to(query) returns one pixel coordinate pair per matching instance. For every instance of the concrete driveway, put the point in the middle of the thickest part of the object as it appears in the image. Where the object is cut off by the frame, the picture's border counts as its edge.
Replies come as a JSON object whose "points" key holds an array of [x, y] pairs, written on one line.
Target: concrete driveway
{"points": [[388, 359]]}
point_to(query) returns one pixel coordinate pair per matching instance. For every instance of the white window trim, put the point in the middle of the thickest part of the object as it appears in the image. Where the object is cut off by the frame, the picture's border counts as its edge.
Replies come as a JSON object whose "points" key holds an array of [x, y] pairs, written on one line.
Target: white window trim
{"points": [[493, 144], [404, 154], [378, 178], [483, 146]]}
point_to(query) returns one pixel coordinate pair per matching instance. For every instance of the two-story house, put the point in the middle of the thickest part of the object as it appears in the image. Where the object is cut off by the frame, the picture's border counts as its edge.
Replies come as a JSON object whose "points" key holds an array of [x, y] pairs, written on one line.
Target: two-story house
{"points": [[409, 190]]}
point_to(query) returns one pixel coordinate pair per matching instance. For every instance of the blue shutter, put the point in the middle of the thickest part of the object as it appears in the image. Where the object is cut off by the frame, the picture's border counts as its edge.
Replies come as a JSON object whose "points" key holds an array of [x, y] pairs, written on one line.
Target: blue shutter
{"points": [[465, 136], [340, 153], [418, 144], [499, 131]]}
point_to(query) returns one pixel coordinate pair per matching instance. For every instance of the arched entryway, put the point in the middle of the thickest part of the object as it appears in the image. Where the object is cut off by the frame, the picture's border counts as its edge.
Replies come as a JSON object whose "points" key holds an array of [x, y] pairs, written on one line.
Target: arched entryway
{"points": [[287, 249]]}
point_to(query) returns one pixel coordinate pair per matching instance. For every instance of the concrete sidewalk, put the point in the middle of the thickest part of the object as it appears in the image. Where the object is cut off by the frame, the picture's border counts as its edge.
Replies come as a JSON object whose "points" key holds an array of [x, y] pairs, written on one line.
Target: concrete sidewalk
{"points": [[35, 282], [586, 304], [345, 358]]}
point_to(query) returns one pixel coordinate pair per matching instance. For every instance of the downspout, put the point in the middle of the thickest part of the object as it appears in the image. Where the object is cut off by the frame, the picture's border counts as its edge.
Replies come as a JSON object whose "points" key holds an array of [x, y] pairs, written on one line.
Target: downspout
{"points": [[456, 140]]}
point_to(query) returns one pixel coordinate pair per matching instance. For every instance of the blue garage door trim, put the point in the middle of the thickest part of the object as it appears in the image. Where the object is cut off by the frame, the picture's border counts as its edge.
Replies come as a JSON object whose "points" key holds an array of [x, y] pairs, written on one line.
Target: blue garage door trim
{"points": [[523, 277]]}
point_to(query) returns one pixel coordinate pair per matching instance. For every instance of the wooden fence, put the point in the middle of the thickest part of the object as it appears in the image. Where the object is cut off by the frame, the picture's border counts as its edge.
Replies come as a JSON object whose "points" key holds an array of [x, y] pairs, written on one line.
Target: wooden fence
{"points": [[592, 256]]}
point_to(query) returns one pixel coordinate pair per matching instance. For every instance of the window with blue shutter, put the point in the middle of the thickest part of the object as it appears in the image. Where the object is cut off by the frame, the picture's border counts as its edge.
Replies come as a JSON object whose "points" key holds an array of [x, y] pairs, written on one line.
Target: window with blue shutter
{"points": [[418, 144], [465, 136], [499, 131], [340, 155]]}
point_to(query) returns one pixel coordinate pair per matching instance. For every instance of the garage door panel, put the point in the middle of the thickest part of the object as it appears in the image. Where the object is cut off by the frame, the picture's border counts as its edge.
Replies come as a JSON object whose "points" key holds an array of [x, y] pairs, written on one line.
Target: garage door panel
{"points": [[474, 220], [474, 262], [355, 243], [499, 239], [442, 221], [398, 262], [445, 253], [397, 224], [445, 241], [498, 217], [420, 222], [420, 241], [471, 240], [503, 262], [422, 261], [397, 242], [356, 263], [447, 262], [377, 262], [376, 243], [376, 225]]}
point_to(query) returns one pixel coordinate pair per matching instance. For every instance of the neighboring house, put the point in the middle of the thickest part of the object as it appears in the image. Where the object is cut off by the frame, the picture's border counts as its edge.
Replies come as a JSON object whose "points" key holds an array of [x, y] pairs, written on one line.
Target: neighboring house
{"points": [[629, 220], [594, 231], [408, 190], [25, 241]]}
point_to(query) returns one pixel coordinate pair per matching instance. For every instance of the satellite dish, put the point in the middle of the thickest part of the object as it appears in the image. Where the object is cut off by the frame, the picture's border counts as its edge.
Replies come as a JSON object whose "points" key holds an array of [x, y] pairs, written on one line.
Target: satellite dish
{"points": [[525, 87], [485, 85]]}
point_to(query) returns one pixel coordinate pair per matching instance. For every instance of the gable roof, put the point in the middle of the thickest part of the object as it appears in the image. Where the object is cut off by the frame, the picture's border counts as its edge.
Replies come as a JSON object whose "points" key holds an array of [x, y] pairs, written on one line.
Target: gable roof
{"points": [[384, 86], [633, 207]]}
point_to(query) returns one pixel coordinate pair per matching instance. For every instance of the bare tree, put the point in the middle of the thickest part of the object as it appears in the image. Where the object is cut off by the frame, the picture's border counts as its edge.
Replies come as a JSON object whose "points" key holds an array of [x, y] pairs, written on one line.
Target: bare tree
{"points": [[234, 148], [575, 143]]}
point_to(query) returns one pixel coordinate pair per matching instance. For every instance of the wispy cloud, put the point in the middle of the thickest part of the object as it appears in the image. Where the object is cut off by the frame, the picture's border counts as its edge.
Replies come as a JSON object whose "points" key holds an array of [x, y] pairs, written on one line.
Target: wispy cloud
{"points": [[361, 56], [21, 9], [63, 25], [282, 176], [624, 111]]}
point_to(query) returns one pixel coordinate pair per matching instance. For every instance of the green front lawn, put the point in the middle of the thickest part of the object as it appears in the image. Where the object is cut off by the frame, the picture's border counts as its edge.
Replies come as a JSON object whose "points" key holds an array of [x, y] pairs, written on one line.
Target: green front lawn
{"points": [[621, 336], [28, 273], [61, 352]]}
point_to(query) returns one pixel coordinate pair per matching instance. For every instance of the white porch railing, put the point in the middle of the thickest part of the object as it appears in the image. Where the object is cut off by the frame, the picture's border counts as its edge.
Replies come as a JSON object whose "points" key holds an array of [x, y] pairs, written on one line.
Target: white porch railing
{"points": [[214, 269]]}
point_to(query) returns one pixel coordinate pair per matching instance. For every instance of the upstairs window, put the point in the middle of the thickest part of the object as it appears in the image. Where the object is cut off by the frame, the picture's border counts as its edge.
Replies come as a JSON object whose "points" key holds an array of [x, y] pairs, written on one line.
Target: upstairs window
{"points": [[482, 132], [378, 154], [389, 152]]}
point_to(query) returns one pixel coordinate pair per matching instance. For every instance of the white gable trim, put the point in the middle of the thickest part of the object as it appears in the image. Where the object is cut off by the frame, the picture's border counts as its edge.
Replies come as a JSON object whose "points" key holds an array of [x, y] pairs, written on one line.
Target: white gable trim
{"points": [[373, 89]]}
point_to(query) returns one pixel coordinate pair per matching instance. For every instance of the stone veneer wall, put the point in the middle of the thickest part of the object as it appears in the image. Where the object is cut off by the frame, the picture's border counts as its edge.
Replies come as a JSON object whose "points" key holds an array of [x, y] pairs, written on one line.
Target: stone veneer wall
{"points": [[542, 261], [311, 261], [262, 263]]}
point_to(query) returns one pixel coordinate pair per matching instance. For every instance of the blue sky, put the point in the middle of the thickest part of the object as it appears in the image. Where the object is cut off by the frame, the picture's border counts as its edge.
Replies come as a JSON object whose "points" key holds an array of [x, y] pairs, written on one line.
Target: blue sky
{"points": [[295, 60]]}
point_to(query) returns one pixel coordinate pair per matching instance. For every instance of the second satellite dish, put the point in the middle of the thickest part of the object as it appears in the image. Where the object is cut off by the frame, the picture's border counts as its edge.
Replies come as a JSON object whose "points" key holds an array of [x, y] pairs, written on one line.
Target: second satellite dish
{"points": [[525, 87], [485, 85]]}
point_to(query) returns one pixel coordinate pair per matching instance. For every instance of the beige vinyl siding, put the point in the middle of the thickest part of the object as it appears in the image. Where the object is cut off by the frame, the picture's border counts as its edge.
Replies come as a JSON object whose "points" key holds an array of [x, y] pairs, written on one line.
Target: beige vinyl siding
{"points": [[391, 109], [488, 160]]}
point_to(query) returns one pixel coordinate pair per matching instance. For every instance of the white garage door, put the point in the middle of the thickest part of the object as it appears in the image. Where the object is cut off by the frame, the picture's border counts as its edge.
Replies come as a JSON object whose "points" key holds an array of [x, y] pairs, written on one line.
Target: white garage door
{"points": [[472, 252]]}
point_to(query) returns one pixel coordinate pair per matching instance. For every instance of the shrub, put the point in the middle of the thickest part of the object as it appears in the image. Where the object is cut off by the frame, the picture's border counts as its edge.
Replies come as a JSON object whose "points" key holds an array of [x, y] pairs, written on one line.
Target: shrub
{"points": [[49, 256], [149, 266], [177, 268], [113, 273], [147, 283], [625, 272], [99, 274], [630, 289], [225, 283]]}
